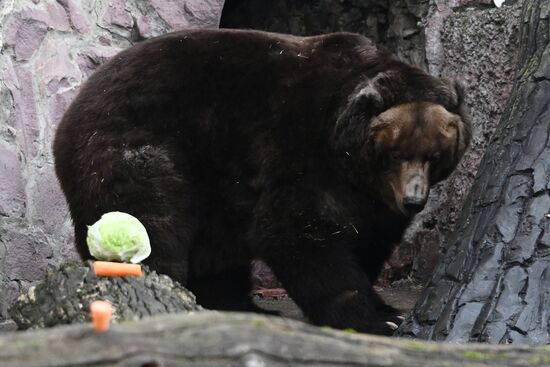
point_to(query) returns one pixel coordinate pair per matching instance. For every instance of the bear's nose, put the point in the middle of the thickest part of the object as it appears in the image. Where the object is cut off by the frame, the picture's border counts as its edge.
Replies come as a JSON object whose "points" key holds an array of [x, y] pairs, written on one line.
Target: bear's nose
{"points": [[413, 204]]}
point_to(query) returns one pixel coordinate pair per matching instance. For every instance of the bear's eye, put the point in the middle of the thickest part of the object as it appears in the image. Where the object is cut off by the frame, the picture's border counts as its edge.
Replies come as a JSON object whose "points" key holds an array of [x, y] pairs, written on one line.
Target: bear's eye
{"points": [[396, 156], [435, 157]]}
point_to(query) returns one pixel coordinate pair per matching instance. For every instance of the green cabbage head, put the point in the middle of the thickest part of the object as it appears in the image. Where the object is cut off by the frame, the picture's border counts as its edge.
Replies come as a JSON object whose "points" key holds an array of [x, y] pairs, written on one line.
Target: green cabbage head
{"points": [[120, 237]]}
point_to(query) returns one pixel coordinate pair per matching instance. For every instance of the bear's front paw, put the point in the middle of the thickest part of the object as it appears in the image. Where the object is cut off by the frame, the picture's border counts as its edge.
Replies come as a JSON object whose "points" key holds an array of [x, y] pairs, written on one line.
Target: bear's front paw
{"points": [[386, 328], [354, 310], [390, 314]]}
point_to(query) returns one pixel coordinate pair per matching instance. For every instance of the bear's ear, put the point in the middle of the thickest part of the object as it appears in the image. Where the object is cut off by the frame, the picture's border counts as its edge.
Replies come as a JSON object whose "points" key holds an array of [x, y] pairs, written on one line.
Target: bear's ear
{"points": [[369, 95], [463, 125], [381, 133], [455, 89], [464, 135], [353, 119], [459, 89]]}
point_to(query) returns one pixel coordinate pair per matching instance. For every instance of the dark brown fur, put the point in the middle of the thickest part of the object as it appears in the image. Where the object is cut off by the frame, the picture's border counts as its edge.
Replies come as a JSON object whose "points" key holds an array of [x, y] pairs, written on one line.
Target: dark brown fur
{"points": [[231, 145]]}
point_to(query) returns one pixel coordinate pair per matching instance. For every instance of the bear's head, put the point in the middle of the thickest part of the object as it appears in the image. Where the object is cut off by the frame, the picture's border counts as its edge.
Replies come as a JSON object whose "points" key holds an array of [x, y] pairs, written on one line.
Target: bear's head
{"points": [[396, 146], [412, 146]]}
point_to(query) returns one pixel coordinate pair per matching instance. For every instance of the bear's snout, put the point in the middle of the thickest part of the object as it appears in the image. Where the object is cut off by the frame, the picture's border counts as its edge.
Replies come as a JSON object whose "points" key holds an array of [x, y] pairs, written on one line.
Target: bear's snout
{"points": [[416, 193], [413, 187], [413, 204]]}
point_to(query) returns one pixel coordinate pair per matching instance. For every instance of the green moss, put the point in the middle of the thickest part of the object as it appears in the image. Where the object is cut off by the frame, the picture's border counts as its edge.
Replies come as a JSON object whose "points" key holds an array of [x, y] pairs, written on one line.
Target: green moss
{"points": [[258, 322], [476, 355], [494, 356], [540, 359], [350, 331], [421, 346]]}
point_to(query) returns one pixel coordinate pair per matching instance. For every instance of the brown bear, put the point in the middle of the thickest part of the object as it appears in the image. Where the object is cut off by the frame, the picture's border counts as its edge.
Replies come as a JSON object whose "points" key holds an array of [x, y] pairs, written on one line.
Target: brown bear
{"points": [[310, 153]]}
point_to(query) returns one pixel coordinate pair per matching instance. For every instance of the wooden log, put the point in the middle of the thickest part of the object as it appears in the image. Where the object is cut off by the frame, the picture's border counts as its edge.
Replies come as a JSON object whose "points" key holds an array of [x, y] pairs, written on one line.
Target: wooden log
{"points": [[209, 338]]}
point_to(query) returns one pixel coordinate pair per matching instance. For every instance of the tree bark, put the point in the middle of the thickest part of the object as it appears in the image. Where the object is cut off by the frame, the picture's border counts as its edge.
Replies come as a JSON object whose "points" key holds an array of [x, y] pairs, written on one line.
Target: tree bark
{"points": [[493, 282], [215, 339], [65, 295]]}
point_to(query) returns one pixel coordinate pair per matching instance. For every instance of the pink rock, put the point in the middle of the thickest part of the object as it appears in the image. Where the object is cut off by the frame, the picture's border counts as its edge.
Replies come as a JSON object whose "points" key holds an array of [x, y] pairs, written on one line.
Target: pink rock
{"points": [[116, 14], [104, 41], [12, 194], [90, 59], [144, 28], [26, 29], [173, 12], [55, 69], [205, 13], [19, 81], [57, 17], [24, 35], [77, 20], [59, 104], [49, 207]]}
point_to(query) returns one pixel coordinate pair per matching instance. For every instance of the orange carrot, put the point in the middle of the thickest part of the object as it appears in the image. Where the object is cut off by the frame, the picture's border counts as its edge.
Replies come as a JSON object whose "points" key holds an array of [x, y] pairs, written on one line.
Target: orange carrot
{"points": [[112, 269], [101, 315]]}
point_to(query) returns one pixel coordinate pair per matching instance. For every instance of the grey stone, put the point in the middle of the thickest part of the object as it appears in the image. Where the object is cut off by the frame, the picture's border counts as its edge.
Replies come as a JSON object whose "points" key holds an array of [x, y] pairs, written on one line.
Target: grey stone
{"points": [[26, 256], [9, 291]]}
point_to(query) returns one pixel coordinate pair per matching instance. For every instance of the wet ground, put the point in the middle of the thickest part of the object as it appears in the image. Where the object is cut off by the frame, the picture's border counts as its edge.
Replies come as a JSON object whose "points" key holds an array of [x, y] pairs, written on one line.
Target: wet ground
{"points": [[401, 295]]}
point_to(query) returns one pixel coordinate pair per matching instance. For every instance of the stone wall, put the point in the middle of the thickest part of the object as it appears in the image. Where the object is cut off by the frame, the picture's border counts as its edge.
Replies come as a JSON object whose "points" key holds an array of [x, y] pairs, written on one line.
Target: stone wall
{"points": [[48, 48]]}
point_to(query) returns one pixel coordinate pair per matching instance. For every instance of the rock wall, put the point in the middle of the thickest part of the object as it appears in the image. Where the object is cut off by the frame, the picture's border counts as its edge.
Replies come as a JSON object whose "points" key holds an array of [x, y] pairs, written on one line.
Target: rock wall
{"points": [[394, 23], [47, 49]]}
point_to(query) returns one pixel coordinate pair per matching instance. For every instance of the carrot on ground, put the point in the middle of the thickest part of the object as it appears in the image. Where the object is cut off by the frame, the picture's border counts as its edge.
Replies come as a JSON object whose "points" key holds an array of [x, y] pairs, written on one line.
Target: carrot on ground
{"points": [[101, 312], [113, 269]]}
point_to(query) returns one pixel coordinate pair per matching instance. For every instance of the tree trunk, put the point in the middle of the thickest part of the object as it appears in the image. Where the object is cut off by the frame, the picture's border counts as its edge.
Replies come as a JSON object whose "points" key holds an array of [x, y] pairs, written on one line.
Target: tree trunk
{"points": [[232, 339], [493, 282]]}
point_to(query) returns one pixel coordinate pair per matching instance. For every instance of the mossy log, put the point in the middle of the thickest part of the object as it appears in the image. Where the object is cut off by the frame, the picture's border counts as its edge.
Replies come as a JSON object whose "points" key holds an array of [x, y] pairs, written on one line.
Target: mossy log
{"points": [[210, 338]]}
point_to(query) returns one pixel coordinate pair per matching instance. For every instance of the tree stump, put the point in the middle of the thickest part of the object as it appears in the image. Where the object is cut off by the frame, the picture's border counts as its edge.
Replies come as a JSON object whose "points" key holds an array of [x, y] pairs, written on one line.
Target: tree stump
{"points": [[64, 297]]}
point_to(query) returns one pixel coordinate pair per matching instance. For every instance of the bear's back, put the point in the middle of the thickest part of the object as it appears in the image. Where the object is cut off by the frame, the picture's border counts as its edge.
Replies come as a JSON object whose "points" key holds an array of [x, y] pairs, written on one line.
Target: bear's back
{"points": [[205, 88]]}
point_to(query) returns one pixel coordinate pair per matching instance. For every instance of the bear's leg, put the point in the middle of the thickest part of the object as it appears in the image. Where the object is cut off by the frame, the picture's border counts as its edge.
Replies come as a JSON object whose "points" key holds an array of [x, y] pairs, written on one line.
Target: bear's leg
{"points": [[226, 290], [319, 270], [330, 288], [151, 184], [80, 234], [372, 259]]}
